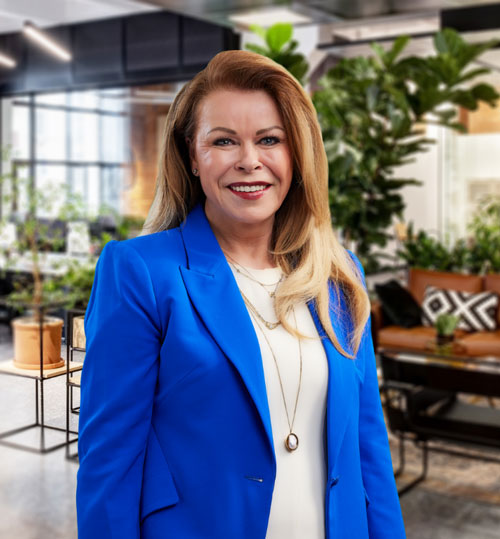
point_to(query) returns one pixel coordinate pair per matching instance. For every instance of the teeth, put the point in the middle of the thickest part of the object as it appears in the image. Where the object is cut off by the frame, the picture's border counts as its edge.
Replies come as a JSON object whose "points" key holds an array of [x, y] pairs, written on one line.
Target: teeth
{"points": [[249, 188]]}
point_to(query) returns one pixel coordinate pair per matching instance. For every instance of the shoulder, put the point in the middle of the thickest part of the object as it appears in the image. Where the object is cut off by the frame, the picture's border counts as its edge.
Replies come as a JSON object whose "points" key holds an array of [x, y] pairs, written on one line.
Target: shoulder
{"points": [[158, 249]]}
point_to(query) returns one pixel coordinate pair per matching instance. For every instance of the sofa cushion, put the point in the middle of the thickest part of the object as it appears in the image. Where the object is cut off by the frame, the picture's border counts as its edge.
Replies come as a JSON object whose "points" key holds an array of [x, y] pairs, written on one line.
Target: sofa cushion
{"points": [[492, 283], [398, 304], [481, 343], [476, 312], [417, 338], [419, 279]]}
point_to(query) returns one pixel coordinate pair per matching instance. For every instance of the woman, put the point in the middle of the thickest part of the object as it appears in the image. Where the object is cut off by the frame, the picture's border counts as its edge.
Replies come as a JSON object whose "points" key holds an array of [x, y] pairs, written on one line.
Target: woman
{"points": [[229, 388]]}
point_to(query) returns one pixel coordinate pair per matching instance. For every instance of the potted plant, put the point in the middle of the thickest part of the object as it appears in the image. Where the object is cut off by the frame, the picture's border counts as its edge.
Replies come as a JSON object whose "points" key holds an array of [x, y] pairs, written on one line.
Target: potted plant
{"points": [[478, 254], [421, 250], [36, 293], [445, 328]]}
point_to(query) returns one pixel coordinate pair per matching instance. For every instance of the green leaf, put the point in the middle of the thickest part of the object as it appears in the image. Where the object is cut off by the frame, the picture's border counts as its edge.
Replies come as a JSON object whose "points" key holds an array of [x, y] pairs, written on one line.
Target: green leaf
{"points": [[485, 92], [256, 48], [465, 99], [449, 41], [440, 43], [379, 51], [397, 47], [473, 73], [278, 34], [259, 30]]}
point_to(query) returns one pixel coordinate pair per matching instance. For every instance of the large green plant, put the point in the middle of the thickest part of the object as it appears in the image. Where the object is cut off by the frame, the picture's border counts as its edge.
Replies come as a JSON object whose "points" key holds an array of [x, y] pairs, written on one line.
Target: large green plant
{"points": [[372, 110], [421, 250], [281, 48]]}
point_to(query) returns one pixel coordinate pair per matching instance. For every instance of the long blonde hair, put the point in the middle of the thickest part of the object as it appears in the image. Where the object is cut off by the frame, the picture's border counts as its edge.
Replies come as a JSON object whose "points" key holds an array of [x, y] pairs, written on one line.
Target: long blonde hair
{"points": [[302, 242]]}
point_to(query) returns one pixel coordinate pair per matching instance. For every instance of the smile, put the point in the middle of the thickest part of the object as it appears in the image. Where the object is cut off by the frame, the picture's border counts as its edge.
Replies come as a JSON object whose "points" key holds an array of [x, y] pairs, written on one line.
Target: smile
{"points": [[248, 188]]}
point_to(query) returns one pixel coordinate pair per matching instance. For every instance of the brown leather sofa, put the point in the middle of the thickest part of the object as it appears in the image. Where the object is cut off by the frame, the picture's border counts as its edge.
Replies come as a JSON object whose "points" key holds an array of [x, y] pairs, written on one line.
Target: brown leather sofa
{"points": [[421, 337]]}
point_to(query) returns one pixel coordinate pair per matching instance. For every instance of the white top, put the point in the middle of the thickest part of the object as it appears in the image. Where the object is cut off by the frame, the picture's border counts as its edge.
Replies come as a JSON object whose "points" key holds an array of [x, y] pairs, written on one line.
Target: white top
{"points": [[298, 503]]}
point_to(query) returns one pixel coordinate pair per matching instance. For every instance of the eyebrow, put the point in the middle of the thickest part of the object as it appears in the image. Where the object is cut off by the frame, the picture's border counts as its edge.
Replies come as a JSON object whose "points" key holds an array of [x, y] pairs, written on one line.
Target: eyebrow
{"points": [[232, 132]]}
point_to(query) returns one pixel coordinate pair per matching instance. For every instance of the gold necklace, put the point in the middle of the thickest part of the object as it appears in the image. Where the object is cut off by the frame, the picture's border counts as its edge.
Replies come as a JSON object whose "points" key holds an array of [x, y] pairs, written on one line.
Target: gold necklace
{"points": [[236, 265], [251, 306], [292, 440], [272, 294]]}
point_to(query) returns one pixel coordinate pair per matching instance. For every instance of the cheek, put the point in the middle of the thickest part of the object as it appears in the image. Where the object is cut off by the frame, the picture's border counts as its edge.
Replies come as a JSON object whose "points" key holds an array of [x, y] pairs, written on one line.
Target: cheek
{"points": [[213, 161], [281, 163]]}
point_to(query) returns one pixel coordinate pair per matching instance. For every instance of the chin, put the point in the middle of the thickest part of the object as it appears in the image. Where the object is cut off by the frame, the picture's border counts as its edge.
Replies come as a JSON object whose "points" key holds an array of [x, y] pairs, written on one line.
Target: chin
{"points": [[255, 215]]}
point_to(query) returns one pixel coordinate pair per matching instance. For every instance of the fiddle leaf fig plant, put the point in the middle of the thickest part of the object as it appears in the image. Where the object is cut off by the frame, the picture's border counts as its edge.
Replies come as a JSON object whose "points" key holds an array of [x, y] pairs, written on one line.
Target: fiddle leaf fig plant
{"points": [[373, 112]]}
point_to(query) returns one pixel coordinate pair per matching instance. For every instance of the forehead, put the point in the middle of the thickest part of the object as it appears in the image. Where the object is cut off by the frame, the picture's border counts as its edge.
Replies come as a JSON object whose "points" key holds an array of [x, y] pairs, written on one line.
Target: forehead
{"points": [[228, 108]]}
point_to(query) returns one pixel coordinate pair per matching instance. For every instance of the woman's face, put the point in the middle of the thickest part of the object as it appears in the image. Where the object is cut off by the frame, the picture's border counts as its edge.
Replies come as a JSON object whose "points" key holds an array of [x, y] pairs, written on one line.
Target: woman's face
{"points": [[243, 157]]}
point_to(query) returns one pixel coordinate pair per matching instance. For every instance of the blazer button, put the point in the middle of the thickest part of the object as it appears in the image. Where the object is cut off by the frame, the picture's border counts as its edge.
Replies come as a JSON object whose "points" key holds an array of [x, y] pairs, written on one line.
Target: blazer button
{"points": [[334, 481]]}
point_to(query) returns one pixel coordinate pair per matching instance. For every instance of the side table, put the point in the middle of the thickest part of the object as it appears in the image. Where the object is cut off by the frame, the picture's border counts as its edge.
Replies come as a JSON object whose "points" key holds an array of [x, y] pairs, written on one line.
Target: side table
{"points": [[40, 376]]}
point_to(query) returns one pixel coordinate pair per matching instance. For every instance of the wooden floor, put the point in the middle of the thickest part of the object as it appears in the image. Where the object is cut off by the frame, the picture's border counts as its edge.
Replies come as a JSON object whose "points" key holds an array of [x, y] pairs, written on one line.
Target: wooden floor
{"points": [[459, 500]]}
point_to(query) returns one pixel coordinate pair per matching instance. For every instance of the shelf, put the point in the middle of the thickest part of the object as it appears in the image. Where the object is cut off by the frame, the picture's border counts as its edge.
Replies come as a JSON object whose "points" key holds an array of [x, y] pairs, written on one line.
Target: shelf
{"points": [[7, 367]]}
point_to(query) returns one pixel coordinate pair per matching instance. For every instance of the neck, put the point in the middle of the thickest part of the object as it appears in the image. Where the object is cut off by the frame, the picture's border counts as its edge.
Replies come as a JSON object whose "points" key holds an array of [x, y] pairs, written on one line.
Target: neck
{"points": [[247, 245]]}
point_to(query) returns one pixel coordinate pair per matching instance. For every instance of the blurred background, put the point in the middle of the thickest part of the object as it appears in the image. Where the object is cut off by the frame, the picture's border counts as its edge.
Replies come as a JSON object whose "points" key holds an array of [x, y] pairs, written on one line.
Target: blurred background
{"points": [[406, 95]]}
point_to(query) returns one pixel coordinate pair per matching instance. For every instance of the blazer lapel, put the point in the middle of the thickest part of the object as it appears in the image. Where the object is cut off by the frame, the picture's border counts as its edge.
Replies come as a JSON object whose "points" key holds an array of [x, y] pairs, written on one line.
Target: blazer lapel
{"points": [[215, 295], [341, 378]]}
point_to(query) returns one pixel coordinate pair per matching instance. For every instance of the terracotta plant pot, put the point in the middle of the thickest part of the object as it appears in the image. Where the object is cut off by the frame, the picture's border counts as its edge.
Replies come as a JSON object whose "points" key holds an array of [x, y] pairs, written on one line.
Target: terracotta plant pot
{"points": [[27, 342]]}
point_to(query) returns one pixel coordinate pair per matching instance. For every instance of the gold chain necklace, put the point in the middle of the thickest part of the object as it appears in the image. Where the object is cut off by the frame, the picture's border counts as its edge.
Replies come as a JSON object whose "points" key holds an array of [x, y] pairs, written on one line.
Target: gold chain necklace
{"points": [[292, 440], [246, 273], [253, 309]]}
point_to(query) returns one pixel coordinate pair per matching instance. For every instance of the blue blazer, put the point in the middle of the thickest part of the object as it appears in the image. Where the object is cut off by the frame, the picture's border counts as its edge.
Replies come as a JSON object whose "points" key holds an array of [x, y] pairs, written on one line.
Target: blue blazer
{"points": [[175, 432]]}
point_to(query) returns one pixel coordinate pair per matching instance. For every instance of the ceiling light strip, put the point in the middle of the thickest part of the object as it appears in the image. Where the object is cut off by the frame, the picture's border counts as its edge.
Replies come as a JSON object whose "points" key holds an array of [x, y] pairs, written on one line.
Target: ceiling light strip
{"points": [[7, 61], [46, 42]]}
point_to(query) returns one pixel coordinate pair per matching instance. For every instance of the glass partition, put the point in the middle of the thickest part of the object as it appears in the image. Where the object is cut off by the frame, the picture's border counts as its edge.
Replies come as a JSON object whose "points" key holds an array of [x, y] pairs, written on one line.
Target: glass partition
{"points": [[102, 144]]}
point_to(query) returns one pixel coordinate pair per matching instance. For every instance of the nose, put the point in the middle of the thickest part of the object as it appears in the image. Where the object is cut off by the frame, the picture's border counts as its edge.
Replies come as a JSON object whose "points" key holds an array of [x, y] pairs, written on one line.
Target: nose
{"points": [[248, 158]]}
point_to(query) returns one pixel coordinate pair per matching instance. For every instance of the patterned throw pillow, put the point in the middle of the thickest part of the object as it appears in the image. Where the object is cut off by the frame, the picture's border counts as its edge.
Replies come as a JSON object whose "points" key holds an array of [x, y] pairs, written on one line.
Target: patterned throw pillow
{"points": [[477, 312]]}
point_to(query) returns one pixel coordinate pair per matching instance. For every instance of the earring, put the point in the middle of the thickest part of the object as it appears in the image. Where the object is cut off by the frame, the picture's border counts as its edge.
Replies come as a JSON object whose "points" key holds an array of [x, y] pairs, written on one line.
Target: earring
{"points": [[195, 171]]}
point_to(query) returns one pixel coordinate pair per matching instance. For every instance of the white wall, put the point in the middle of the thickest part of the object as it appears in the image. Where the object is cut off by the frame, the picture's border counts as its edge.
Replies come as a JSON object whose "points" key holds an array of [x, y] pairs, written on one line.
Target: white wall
{"points": [[424, 202], [472, 170]]}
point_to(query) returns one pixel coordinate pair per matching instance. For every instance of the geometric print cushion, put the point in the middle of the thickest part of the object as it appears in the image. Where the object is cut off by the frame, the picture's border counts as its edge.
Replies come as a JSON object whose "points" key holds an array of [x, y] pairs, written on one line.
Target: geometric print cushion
{"points": [[476, 312]]}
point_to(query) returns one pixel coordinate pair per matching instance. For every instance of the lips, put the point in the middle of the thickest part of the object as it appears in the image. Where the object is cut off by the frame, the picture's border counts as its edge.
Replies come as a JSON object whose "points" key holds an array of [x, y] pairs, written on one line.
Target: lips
{"points": [[249, 190]]}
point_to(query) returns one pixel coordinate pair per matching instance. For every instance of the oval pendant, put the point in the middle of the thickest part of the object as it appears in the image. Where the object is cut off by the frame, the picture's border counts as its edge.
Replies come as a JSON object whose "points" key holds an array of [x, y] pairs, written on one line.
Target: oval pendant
{"points": [[292, 442]]}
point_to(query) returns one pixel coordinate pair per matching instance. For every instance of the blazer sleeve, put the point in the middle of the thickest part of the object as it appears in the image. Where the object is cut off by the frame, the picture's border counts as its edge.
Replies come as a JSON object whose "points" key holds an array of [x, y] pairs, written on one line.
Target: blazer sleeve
{"points": [[384, 511], [120, 369]]}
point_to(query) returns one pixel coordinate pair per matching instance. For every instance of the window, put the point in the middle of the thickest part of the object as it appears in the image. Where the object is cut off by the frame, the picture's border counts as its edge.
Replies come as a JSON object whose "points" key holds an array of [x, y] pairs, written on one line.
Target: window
{"points": [[81, 141]]}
